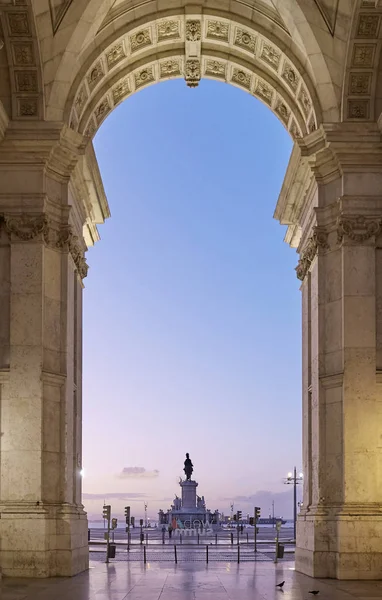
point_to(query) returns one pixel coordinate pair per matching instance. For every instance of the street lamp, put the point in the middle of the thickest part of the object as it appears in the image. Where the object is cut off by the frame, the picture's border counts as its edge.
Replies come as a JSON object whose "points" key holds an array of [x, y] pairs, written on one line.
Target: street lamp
{"points": [[292, 478], [145, 514]]}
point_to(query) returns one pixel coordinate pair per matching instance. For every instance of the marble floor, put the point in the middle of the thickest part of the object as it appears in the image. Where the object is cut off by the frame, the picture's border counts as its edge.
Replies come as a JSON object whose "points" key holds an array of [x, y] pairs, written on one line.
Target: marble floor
{"points": [[187, 581]]}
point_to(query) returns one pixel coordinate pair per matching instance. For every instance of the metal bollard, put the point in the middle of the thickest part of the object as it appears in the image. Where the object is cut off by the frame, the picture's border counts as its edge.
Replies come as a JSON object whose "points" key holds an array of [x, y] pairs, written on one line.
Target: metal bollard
{"points": [[198, 539], [216, 539], [176, 556], [207, 554], [163, 537], [147, 538], [180, 538], [231, 538], [144, 554], [238, 555], [247, 538]]}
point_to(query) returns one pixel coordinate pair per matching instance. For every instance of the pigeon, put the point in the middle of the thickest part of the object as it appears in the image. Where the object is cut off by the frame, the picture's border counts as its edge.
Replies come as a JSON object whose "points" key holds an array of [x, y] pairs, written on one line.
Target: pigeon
{"points": [[280, 585], [314, 592]]}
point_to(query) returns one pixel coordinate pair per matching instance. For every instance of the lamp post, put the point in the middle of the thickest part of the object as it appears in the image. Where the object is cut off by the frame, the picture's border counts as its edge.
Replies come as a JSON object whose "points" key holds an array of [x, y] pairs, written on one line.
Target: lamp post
{"points": [[293, 479]]}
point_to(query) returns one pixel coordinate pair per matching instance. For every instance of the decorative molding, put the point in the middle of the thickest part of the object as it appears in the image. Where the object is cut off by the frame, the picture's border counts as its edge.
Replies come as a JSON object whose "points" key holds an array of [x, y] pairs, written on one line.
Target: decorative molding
{"points": [[319, 239], [245, 40], [28, 227], [357, 228], [169, 68], [332, 381], [141, 39], [144, 76], [215, 68], [192, 73], [218, 30], [242, 78], [168, 30], [193, 31]]}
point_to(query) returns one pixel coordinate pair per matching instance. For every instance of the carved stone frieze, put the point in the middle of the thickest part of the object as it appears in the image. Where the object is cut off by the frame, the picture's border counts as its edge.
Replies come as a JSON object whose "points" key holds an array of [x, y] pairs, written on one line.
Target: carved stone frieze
{"points": [[18, 24], [192, 73], [95, 75], [167, 30], [144, 76], [282, 110], [245, 40], [242, 78], [115, 55], [218, 29], [363, 55], [26, 81], [121, 90], [290, 76], [357, 228], [358, 109], [81, 100], [140, 40], [271, 55], [304, 100], [264, 91], [368, 26], [102, 110], [23, 54], [193, 31], [215, 68], [170, 68], [319, 239]]}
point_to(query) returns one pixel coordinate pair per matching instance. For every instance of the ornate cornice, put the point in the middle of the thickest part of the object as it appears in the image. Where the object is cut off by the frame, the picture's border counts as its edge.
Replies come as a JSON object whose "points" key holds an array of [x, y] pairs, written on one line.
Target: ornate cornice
{"points": [[357, 228], [28, 227], [319, 239]]}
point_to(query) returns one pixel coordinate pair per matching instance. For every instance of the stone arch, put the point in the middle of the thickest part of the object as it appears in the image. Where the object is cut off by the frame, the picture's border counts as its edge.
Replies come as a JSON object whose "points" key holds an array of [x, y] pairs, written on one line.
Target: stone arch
{"points": [[21, 81], [104, 26], [195, 47]]}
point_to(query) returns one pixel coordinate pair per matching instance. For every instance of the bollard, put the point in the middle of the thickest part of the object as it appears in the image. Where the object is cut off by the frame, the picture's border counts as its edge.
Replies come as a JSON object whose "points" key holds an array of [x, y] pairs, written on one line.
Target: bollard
{"points": [[163, 537], [144, 554], [247, 538], [147, 538], [198, 539], [238, 555], [216, 539], [180, 538], [231, 538], [176, 556], [207, 554]]}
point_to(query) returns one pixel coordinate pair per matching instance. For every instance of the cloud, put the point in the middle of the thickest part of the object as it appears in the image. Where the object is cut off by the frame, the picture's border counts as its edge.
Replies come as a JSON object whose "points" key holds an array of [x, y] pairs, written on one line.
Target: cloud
{"points": [[137, 473], [114, 495]]}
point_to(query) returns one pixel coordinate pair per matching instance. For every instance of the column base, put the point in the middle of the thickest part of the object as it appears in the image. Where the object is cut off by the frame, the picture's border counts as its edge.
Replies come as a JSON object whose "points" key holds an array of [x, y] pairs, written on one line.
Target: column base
{"points": [[43, 541], [340, 544]]}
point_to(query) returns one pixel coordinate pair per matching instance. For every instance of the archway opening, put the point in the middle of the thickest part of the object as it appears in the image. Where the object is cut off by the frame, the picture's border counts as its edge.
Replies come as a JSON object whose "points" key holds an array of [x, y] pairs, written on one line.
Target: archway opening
{"points": [[193, 296]]}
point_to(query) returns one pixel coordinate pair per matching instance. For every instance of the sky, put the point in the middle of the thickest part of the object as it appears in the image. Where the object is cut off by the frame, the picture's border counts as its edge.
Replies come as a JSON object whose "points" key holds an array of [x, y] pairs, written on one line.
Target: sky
{"points": [[192, 334]]}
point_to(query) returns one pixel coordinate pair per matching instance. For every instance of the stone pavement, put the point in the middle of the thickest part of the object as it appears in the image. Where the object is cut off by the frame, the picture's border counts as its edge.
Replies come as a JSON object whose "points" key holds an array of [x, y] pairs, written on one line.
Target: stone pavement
{"points": [[124, 581]]}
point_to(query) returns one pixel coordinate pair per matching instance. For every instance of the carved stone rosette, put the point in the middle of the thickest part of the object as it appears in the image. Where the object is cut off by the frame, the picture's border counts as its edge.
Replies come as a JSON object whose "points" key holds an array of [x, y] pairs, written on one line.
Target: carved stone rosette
{"points": [[319, 239], [28, 227], [357, 228]]}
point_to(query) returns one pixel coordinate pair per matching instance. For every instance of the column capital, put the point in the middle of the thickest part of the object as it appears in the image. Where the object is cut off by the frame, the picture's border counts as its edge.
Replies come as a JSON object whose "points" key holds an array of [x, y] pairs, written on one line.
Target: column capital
{"points": [[24, 227]]}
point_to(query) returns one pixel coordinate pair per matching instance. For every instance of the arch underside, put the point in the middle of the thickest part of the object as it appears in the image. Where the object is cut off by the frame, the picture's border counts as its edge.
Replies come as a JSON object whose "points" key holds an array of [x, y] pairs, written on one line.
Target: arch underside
{"points": [[200, 46]]}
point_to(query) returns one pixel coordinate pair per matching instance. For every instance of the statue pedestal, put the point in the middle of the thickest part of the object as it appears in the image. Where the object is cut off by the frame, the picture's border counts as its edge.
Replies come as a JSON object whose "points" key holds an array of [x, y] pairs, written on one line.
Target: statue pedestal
{"points": [[188, 494]]}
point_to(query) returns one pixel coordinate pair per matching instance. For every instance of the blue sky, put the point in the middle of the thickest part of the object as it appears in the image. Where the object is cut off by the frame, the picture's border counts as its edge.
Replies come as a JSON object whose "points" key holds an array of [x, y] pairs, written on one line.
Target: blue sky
{"points": [[192, 336]]}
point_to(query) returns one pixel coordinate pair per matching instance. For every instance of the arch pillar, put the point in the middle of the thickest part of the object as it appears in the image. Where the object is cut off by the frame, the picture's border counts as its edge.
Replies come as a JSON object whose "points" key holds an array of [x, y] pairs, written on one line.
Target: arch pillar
{"points": [[339, 529], [43, 526]]}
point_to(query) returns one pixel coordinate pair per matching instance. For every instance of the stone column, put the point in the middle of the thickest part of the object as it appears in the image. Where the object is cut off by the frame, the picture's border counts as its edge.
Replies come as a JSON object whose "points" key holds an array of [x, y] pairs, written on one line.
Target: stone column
{"points": [[339, 530], [43, 527]]}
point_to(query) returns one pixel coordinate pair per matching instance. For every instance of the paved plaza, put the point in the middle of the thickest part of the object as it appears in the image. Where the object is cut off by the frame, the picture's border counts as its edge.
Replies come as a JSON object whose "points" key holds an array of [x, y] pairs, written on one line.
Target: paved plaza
{"points": [[123, 581]]}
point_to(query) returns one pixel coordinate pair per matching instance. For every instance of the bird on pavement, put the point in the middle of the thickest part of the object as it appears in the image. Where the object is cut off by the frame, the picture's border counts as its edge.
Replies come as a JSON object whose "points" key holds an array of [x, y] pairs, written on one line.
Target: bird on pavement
{"points": [[280, 585], [314, 592]]}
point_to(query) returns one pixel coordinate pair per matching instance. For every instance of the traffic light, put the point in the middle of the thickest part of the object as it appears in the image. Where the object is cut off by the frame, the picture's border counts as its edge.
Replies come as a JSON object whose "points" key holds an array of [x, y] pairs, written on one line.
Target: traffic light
{"points": [[141, 522], [235, 517], [257, 512], [106, 512], [251, 520], [239, 515], [132, 521], [114, 523], [127, 514]]}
